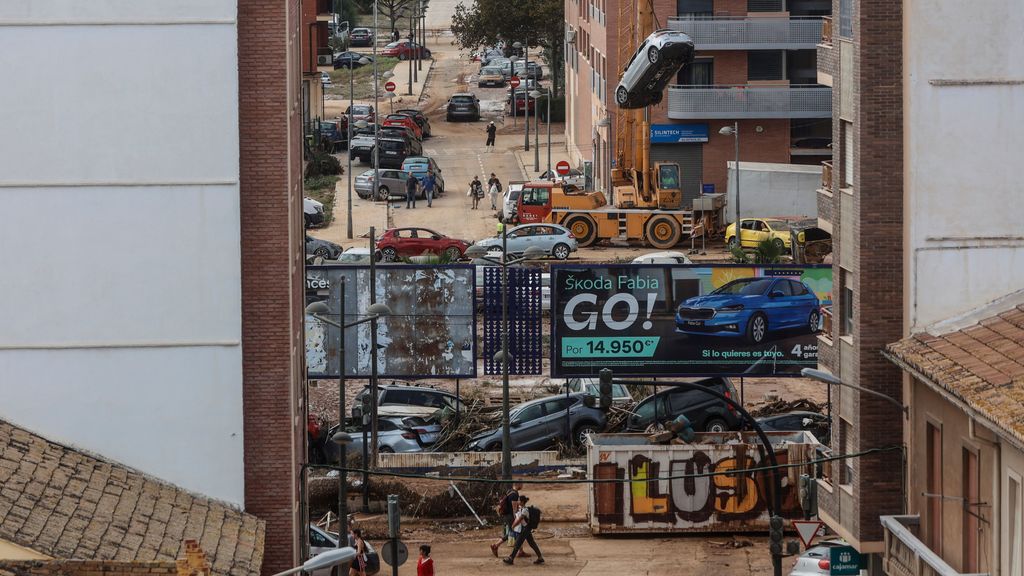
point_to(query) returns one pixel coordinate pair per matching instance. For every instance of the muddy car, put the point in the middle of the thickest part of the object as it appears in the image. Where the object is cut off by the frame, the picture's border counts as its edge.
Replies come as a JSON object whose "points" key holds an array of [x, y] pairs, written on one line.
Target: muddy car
{"points": [[810, 244], [651, 68]]}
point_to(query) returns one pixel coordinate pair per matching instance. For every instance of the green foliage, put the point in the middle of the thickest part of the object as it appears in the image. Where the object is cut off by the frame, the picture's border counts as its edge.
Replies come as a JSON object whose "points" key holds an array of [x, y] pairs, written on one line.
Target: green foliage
{"points": [[322, 189], [532, 22], [767, 252], [321, 163]]}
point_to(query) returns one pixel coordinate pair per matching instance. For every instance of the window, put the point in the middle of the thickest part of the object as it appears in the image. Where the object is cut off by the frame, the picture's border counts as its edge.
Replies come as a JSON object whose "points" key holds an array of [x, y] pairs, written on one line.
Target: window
{"points": [[529, 413], [1013, 524], [695, 8], [701, 72], [764, 6], [847, 447], [972, 497], [847, 135], [847, 303], [765, 65], [535, 196], [555, 406], [784, 287], [798, 288], [317, 540], [846, 18], [933, 487]]}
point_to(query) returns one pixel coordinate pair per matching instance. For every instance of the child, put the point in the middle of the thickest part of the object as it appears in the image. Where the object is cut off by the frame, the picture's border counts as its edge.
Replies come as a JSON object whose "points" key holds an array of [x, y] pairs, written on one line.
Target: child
{"points": [[425, 565]]}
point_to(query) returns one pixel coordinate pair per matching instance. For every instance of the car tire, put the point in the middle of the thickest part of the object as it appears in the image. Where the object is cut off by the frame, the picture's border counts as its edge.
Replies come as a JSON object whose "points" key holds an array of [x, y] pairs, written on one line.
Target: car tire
{"points": [[621, 96], [716, 425], [812, 321], [402, 56], [452, 253], [493, 447], [386, 450], [653, 55], [654, 428], [780, 245], [757, 328], [389, 254], [322, 252], [560, 251], [579, 435], [730, 242], [583, 228], [663, 232], [384, 193]]}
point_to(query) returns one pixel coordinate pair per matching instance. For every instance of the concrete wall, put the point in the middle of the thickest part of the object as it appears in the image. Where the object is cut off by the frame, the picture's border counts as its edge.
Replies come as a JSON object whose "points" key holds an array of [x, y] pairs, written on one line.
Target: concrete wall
{"points": [[963, 132], [119, 228], [774, 190]]}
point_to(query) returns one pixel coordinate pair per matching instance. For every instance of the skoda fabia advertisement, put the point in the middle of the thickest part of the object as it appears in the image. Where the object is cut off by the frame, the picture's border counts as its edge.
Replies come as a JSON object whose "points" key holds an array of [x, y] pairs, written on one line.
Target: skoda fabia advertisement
{"points": [[688, 320]]}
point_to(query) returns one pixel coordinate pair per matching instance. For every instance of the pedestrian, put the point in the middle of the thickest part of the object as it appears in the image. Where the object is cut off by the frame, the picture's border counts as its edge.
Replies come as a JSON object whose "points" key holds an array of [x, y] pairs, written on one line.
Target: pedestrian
{"points": [[507, 508], [359, 563], [429, 183], [411, 185], [494, 189], [425, 565], [527, 520], [394, 35], [491, 131], [501, 227], [476, 190]]}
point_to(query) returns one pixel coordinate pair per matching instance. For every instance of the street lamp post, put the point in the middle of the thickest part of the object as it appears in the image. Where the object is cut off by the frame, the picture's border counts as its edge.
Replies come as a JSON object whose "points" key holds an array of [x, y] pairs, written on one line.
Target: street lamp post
{"points": [[336, 557], [351, 104], [734, 131], [831, 380], [503, 357], [526, 101], [605, 123]]}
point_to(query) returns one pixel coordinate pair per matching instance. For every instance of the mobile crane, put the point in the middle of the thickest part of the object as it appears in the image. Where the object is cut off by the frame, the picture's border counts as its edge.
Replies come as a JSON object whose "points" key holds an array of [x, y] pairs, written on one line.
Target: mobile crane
{"points": [[646, 202]]}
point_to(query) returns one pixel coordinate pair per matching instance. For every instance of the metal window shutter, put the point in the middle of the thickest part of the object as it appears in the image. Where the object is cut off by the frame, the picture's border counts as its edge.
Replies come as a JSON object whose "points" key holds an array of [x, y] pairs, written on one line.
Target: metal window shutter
{"points": [[690, 158]]}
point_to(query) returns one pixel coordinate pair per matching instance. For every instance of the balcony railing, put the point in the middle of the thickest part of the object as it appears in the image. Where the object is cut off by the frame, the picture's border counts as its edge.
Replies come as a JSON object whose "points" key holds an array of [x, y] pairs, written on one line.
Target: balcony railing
{"points": [[906, 555], [732, 102], [826, 176], [745, 33], [826, 31], [826, 323]]}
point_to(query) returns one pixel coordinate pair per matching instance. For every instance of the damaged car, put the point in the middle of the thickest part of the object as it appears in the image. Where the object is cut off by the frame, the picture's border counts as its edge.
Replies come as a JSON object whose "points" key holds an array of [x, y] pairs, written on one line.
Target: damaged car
{"points": [[651, 68]]}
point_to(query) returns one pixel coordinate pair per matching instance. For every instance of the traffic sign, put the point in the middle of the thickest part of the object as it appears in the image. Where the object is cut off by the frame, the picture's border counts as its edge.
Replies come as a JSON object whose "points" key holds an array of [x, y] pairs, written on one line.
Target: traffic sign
{"points": [[388, 553], [390, 86], [808, 530], [844, 561], [514, 81], [562, 168]]}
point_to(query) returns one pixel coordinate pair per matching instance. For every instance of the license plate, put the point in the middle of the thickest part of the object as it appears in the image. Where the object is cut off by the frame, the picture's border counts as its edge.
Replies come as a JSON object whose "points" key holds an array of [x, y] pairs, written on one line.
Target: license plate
{"points": [[391, 153], [694, 323]]}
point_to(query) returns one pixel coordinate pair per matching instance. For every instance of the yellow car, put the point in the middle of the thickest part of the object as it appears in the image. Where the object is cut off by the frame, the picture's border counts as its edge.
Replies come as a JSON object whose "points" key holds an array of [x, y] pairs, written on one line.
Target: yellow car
{"points": [[755, 230]]}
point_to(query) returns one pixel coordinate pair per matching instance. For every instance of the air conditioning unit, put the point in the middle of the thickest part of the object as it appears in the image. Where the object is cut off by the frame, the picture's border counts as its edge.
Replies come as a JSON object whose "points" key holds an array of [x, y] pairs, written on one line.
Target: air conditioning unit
{"points": [[570, 36], [324, 60]]}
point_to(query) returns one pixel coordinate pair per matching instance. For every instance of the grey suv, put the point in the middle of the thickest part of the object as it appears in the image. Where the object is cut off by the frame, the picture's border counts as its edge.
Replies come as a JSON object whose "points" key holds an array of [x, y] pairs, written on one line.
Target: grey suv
{"points": [[707, 413], [539, 423], [463, 106]]}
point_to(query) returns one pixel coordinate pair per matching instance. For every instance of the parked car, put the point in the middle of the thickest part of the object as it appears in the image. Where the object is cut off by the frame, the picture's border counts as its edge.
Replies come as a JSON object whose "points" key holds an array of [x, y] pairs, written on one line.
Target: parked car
{"points": [[404, 120], [334, 134], [706, 412], [403, 133], [403, 400], [361, 37], [312, 212], [321, 541], [750, 308], [592, 387], [541, 423], [797, 420], [359, 112], [816, 560], [809, 243], [510, 201], [362, 144], [575, 177], [553, 239], [395, 434], [392, 185], [325, 79], [351, 60], [420, 118], [405, 49], [419, 165], [652, 67], [393, 151], [322, 248], [669, 257], [490, 76], [398, 242], [356, 255], [755, 230], [464, 106], [522, 104], [529, 70]]}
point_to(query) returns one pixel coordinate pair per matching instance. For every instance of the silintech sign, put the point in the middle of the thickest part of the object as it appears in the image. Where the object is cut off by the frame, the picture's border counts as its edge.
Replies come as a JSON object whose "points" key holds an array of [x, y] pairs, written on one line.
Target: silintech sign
{"points": [[430, 332], [678, 133], [642, 320]]}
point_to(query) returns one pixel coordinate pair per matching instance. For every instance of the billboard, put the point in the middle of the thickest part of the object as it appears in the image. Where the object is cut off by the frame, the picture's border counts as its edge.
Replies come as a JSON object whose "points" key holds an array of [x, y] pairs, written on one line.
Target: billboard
{"points": [[687, 320], [524, 320], [430, 333]]}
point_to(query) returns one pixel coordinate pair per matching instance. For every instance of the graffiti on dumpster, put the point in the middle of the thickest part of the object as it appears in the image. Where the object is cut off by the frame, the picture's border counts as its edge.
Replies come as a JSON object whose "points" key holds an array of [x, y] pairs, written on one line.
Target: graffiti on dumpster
{"points": [[693, 497]]}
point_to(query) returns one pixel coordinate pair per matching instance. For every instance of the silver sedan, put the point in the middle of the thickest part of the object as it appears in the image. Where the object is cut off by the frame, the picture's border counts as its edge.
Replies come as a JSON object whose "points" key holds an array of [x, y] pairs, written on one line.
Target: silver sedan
{"points": [[556, 240], [392, 185]]}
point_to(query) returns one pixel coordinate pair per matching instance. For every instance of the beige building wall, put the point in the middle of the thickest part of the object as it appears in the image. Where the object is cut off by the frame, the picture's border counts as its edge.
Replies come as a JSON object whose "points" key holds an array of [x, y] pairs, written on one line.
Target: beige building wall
{"points": [[11, 551]]}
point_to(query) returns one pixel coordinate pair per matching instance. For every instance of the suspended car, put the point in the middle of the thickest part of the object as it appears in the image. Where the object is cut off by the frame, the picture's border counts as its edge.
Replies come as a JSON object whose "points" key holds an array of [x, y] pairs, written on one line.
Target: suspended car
{"points": [[651, 68]]}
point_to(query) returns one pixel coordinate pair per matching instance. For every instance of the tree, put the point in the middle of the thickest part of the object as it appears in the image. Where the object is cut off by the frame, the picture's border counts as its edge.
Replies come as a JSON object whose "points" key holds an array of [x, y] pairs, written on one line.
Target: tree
{"points": [[395, 9]]}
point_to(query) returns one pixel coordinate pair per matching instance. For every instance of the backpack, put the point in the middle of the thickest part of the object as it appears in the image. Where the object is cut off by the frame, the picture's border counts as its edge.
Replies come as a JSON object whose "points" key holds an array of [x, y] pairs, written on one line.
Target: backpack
{"points": [[534, 519], [505, 504]]}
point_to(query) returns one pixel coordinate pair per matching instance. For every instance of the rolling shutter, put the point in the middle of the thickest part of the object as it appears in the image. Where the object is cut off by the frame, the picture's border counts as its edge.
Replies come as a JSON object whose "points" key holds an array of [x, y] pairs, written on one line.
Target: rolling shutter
{"points": [[690, 158]]}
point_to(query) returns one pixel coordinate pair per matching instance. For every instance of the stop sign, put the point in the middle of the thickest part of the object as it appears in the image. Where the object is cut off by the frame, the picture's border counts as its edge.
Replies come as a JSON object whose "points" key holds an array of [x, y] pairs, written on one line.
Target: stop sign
{"points": [[562, 168], [390, 86], [514, 81]]}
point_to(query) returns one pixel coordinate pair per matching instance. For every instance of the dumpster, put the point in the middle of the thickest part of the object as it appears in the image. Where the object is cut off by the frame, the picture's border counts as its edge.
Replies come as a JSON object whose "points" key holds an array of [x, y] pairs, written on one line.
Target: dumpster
{"points": [[673, 487]]}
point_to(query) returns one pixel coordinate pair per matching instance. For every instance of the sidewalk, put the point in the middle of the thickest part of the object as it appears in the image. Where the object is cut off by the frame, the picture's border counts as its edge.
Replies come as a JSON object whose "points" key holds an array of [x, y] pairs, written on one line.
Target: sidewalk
{"points": [[402, 98], [525, 159]]}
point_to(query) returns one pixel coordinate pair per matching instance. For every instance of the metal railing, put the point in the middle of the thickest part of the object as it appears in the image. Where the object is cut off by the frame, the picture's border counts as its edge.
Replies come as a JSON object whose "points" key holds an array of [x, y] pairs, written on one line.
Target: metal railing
{"points": [[826, 31], [745, 33], [731, 102], [906, 555], [826, 175]]}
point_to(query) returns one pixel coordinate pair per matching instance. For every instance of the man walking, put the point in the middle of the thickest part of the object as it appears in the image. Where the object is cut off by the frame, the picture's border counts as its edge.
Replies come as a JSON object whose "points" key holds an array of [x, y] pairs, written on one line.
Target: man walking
{"points": [[410, 191], [428, 187], [523, 526], [508, 506], [494, 189], [476, 190], [491, 131]]}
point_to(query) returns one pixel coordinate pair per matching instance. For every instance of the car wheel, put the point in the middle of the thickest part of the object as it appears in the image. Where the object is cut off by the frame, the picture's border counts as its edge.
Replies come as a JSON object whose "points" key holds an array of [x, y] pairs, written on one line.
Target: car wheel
{"points": [[452, 253], [812, 321], [386, 450], [757, 329], [716, 425], [383, 193], [560, 251], [583, 228], [621, 96], [494, 447], [663, 232], [402, 56], [730, 242], [322, 252], [653, 55], [389, 254], [779, 244], [654, 428], [579, 435]]}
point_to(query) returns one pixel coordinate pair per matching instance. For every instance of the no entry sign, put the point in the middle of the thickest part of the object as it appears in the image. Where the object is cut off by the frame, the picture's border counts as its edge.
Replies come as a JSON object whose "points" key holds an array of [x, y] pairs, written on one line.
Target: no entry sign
{"points": [[514, 81], [562, 168], [390, 86]]}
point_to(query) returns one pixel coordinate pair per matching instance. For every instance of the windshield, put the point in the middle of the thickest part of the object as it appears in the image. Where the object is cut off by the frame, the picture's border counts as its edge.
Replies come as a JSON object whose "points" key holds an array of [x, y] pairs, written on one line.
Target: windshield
{"points": [[462, 99], [360, 109], [346, 257], [391, 145], [491, 71], [393, 45], [668, 177], [745, 287]]}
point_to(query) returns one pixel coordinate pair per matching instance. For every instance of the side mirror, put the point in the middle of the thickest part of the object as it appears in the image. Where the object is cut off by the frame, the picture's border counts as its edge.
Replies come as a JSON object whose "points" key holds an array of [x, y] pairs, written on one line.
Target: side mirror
{"points": [[515, 422]]}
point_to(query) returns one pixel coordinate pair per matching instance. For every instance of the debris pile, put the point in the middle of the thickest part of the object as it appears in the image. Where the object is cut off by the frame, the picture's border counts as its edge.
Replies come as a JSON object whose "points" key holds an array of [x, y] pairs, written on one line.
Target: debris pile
{"points": [[779, 406]]}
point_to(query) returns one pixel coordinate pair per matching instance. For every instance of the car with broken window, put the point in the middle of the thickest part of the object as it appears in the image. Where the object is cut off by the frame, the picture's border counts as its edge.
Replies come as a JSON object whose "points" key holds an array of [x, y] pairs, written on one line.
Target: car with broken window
{"points": [[706, 412], [652, 67], [544, 422], [406, 400]]}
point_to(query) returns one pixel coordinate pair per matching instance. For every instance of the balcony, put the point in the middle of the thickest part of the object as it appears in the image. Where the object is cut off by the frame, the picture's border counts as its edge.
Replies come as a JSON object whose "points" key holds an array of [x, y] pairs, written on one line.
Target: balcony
{"points": [[826, 176], [737, 102], [826, 31], [905, 554], [746, 33]]}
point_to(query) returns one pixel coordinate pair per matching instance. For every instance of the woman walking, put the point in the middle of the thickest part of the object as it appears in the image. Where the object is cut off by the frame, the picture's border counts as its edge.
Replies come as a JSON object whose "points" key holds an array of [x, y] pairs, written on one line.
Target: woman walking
{"points": [[359, 564]]}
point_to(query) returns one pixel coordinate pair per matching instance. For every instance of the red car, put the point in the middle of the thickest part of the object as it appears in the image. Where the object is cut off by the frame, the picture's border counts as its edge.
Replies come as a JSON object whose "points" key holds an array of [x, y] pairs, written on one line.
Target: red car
{"points": [[361, 112], [406, 121], [398, 242], [404, 49]]}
